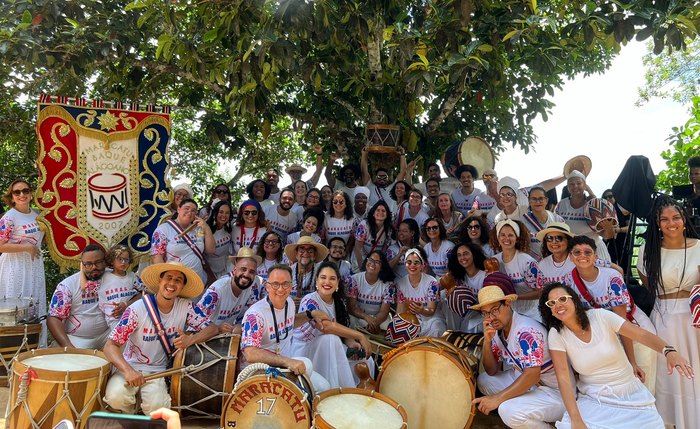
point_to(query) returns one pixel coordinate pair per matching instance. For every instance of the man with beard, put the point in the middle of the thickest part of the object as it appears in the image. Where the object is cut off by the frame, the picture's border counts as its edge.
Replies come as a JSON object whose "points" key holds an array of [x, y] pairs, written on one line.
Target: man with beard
{"points": [[225, 301], [148, 334], [465, 195], [272, 178], [380, 188], [347, 177], [304, 256], [282, 220], [337, 254], [74, 319]]}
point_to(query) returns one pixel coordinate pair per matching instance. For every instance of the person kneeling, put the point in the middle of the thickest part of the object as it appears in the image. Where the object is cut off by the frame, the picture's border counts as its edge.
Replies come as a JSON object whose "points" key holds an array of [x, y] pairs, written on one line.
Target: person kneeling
{"points": [[525, 394], [151, 330]]}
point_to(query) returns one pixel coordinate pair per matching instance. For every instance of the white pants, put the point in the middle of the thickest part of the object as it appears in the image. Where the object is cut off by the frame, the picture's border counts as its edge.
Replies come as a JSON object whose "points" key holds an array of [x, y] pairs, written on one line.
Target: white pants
{"points": [[319, 383], [531, 410], [96, 343], [154, 395], [328, 356]]}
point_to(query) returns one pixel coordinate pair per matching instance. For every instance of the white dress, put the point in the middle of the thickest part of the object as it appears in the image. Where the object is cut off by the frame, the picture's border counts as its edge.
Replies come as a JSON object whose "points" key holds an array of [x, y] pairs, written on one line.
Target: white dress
{"points": [[370, 297], [523, 272], [424, 293], [678, 399], [610, 396], [20, 274], [219, 262]]}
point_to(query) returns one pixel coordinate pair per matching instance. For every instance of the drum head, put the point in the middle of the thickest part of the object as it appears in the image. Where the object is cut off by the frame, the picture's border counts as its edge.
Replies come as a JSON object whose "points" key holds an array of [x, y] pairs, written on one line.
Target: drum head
{"points": [[473, 151], [266, 402], [347, 408], [414, 376]]}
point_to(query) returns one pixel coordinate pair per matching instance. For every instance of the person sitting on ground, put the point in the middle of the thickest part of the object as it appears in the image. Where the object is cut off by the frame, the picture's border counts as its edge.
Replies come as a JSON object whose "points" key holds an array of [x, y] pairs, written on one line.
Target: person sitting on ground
{"points": [[371, 293]]}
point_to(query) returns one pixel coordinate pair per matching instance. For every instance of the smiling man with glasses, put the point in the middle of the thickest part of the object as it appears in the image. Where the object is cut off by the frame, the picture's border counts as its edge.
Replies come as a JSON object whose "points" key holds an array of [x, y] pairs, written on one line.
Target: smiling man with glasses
{"points": [[526, 394], [75, 319]]}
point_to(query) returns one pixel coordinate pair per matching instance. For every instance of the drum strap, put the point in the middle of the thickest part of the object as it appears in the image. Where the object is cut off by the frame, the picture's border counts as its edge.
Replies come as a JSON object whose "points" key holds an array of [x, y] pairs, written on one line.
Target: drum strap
{"points": [[188, 240], [532, 219], [149, 301], [583, 291]]}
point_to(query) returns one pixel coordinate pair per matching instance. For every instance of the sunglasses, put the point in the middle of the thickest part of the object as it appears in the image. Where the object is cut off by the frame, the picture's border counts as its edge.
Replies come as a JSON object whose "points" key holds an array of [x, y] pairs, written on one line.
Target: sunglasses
{"points": [[338, 202], [560, 300], [18, 192], [506, 195], [607, 197], [554, 238], [432, 228], [582, 252], [250, 212], [488, 176], [271, 242], [382, 176], [474, 227], [220, 191]]}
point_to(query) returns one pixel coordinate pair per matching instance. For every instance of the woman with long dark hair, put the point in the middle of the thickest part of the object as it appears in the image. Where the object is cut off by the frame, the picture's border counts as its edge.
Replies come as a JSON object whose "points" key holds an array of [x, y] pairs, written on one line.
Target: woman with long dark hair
{"points": [[465, 267], [668, 266], [437, 246], [259, 190], [407, 236], [609, 394], [371, 293], [326, 346], [538, 218], [220, 223], [375, 232], [340, 220], [250, 226], [270, 249], [476, 230], [399, 193], [220, 192]]}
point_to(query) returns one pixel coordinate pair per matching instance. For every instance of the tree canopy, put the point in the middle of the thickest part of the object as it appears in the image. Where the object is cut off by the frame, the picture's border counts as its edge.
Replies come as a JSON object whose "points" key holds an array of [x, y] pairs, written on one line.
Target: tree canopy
{"points": [[674, 75], [684, 143], [261, 81]]}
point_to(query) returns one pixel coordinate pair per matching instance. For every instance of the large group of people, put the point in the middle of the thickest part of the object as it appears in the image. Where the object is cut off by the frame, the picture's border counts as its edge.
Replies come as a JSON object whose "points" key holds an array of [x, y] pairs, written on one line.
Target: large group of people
{"points": [[303, 274]]}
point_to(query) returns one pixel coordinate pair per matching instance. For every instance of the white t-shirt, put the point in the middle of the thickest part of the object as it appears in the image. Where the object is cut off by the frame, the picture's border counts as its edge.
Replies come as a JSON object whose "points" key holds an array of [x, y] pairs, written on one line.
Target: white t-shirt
{"points": [[258, 328], [282, 225], [438, 259], [370, 297], [523, 272], [419, 217], [463, 202], [579, 226], [608, 289], [426, 292], [380, 243], [335, 227], [302, 285], [376, 194], [166, 242], [610, 366], [78, 309], [219, 305], [115, 289], [135, 330], [672, 263], [246, 237], [550, 271], [219, 261]]}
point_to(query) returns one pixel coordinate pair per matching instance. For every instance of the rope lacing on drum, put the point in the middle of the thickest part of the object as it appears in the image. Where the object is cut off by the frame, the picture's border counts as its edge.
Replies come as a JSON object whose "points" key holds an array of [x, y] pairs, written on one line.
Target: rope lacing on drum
{"points": [[23, 346], [196, 368], [248, 371], [274, 372]]}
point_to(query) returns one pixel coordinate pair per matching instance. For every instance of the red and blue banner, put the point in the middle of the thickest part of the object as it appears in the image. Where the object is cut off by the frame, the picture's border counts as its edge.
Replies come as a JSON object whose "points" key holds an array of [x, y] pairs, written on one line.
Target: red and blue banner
{"points": [[102, 175]]}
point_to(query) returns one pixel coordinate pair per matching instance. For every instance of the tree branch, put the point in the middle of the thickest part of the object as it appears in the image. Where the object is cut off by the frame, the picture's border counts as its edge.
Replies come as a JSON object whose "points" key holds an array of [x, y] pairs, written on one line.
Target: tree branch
{"points": [[167, 68], [447, 107], [355, 112]]}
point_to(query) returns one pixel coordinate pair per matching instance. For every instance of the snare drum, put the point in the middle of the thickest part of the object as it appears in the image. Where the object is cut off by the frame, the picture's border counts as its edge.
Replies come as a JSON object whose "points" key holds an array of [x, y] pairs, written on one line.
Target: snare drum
{"points": [[13, 341], [267, 401], [50, 385], [14, 311], [348, 408], [201, 392], [431, 378]]}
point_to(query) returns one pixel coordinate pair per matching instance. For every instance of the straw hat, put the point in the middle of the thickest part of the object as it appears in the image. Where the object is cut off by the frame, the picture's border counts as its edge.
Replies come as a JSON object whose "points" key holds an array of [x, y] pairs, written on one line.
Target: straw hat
{"points": [[490, 294], [291, 249], [580, 163], [295, 167], [246, 252], [555, 227], [193, 283]]}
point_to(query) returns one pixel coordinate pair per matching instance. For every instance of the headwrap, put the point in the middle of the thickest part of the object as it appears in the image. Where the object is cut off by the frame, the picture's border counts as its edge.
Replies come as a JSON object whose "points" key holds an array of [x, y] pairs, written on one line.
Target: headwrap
{"points": [[251, 203], [576, 173], [416, 252], [361, 190], [512, 224]]}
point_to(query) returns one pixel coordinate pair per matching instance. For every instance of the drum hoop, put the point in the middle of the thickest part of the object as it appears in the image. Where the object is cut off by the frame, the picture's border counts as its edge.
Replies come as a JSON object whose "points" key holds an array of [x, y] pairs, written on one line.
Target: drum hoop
{"points": [[357, 391], [416, 342], [51, 375]]}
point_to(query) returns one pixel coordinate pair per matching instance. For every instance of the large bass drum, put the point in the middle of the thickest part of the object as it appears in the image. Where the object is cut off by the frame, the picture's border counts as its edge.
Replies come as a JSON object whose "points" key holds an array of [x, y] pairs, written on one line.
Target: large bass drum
{"points": [[415, 375], [346, 408], [473, 151], [211, 372], [19, 332]]}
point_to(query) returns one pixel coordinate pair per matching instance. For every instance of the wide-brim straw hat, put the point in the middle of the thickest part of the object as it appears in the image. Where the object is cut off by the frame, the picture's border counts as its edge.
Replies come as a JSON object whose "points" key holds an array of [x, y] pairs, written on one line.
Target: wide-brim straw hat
{"points": [[580, 163], [246, 252], [295, 167], [151, 278], [291, 249], [490, 294], [560, 227]]}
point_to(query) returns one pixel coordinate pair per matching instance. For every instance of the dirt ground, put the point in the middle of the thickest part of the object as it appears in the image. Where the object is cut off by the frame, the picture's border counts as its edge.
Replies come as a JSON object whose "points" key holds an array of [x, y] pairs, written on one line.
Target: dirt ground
{"points": [[480, 421]]}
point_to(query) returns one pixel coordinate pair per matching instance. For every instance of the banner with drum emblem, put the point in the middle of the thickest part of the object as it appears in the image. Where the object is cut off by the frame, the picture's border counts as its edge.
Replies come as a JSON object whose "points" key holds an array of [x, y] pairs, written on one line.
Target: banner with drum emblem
{"points": [[102, 175]]}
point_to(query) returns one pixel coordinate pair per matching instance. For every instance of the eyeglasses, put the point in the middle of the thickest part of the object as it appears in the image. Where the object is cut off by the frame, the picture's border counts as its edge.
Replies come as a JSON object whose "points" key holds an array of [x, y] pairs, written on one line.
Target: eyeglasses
{"points": [[607, 197], [488, 176], [582, 252], [182, 194], [278, 285], [338, 202], [538, 199], [414, 197], [18, 192], [271, 242], [374, 262], [382, 176], [122, 260], [220, 191], [506, 195], [492, 313], [306, 250], [90, 265], [432, 228], [554, 238], [473, 227], [313, 197], [250, 212], [560, 300]]}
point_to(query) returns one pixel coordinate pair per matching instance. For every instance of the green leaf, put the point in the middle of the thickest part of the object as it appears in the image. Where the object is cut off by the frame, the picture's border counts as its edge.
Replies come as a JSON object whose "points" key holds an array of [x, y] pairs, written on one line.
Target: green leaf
{"points": [[73, 22], [211, 35], [27, 17], [510, 35], [533, 5], [248, 87], [137, 4]]}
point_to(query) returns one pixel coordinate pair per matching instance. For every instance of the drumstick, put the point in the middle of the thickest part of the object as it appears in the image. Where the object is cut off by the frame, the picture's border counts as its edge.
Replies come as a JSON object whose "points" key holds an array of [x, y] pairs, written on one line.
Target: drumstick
{"points": [[166, 373], [188, 229]]}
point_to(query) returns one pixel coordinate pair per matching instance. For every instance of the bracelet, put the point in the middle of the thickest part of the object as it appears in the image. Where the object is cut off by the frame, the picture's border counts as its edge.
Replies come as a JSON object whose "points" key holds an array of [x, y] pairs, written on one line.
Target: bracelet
{"points": [[309, 316], [667, 349]]}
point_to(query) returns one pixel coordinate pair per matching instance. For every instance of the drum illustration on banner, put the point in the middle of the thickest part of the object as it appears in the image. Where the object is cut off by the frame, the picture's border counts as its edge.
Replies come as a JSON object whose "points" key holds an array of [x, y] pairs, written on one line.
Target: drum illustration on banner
{"points": [[102, 175]]}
